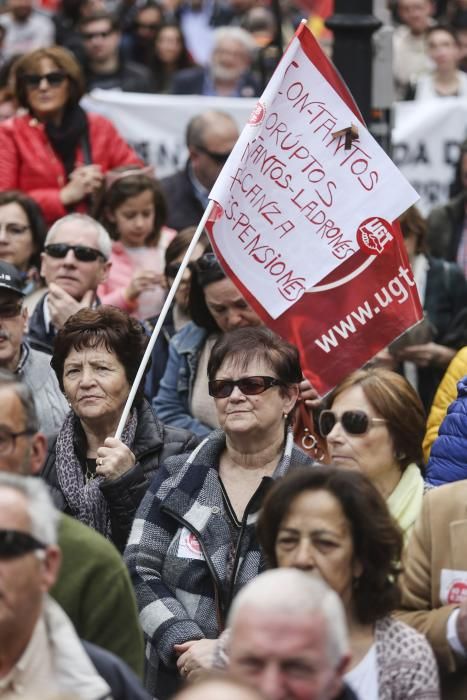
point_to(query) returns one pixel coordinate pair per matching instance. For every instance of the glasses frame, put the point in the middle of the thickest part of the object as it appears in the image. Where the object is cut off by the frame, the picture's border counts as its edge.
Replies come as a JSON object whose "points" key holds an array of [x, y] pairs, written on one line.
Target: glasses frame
{"points": [[214, 385], [12, 437], [370, 422], [89, 36], [219, 158], [18, 308], [53, 78], [78, 251]]}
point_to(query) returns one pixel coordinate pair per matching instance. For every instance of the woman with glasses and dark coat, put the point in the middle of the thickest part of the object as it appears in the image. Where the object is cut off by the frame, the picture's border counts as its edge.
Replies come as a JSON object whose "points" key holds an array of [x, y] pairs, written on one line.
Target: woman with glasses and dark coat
{"points": [[56, 153], [95, 477], [376, 424], [193, 543]]}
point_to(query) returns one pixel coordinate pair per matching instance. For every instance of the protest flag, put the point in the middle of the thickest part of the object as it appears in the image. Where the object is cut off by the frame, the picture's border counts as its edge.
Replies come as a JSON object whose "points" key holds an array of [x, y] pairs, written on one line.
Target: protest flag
{"points": [[302, 220]]}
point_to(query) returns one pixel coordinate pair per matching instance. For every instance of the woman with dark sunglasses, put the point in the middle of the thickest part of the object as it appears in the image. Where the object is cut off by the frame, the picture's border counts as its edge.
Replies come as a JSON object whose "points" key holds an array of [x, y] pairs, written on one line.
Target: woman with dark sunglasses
{"points": [[193, 543], [376, 424], [333, 523], [56, 153]]}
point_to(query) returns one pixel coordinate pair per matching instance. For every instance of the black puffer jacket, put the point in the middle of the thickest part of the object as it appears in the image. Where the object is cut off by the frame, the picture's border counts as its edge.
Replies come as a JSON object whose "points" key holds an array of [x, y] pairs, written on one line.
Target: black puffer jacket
{"points": [[154, 443]]}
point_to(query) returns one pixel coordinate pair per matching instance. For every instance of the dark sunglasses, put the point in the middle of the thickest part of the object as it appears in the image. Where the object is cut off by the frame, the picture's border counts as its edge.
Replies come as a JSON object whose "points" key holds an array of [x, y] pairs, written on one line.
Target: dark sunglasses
{"points": [[10, 311], [250, 386], [153, 27], [217, 157], [353, 422], [14, 543], [87, 36], [53, 79], [82, 252]]}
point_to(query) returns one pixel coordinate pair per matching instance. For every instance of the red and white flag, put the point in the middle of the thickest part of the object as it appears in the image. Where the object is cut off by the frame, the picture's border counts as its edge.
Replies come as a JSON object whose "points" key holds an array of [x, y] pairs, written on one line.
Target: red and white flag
{"points": [[302, 222]]}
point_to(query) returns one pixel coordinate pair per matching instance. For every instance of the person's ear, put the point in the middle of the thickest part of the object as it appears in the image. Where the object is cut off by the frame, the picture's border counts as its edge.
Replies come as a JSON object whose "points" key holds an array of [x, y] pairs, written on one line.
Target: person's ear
{"points": [[38, 452], [292, 393], [110, 215], [105, 269], [50, 567], [24, 315]]}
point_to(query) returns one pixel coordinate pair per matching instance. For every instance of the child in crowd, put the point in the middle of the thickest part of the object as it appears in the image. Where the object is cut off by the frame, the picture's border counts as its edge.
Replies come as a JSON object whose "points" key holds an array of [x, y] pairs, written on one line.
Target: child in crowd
{"points": [[133, 210]]}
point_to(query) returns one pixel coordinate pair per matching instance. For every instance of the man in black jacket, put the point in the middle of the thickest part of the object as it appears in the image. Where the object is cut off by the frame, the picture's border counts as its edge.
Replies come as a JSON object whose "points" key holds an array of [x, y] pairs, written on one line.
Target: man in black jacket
{"points": [[105, 67], [210, 137]]}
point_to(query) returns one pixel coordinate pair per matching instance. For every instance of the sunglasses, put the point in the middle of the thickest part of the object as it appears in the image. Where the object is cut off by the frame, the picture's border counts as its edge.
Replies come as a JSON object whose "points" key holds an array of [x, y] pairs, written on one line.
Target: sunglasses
{"points": [[353, 422], [81, 252], [217, 157], [14, 543], [10, 311], [88, 36], [250, 386], [53, 79]]}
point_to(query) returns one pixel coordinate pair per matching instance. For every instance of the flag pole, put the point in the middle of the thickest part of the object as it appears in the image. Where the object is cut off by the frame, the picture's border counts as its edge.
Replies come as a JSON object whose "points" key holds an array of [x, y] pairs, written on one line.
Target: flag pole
{"points": [[161, 319]]}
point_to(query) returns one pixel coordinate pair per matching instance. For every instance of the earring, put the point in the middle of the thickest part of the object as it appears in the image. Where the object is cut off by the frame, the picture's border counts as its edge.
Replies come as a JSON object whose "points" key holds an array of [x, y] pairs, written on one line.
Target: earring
{"points": [[285, 415]]}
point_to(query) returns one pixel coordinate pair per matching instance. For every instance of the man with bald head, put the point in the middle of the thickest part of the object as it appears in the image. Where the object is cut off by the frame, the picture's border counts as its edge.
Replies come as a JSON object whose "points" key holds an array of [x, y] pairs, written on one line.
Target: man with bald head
{"points": [[288, 637], [210, 137]]}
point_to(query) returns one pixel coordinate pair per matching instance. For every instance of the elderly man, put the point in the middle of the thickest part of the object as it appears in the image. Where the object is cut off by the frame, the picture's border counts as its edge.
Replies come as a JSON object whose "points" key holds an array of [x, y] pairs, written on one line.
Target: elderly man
{"points": [[210, 137], [229, 72], [40, 652], [289, 638], [16, 355], [434, 583], [93, 586], [74, 262]]}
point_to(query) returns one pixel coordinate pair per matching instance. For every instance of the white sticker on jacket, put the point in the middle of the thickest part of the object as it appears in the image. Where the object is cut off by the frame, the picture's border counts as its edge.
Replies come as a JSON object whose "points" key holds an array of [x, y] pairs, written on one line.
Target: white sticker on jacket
{"points": [[188, 546], [453, 586]]}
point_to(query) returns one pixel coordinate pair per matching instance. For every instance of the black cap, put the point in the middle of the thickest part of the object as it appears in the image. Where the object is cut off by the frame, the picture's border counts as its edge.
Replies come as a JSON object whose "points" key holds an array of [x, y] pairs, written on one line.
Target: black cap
{"points": [[11, 278]]}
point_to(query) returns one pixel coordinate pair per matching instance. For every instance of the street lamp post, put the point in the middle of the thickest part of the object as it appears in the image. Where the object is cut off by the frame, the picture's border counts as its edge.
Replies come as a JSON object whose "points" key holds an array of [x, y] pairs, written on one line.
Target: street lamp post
{"points": [[353, 24]]}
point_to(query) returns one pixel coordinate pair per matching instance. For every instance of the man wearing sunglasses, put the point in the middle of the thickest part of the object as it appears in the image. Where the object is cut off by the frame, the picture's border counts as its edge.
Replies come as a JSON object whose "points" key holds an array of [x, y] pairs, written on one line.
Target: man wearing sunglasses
{"points": [[74, 262], [41, 654], [93, 586], [104, 65], [17, 356], [210, 137]]}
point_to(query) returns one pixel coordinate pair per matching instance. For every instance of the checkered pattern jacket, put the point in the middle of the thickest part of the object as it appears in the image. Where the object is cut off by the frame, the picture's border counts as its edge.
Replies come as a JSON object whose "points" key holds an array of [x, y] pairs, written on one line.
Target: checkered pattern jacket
{"points": [[184, 595]]}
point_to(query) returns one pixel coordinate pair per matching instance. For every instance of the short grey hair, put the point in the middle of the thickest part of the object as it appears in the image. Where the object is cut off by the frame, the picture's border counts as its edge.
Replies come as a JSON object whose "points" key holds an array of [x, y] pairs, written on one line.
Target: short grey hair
{"points": [[24, 394], [104, 242], [295, 593], [201, 123], [237, 34], [41, 510]]}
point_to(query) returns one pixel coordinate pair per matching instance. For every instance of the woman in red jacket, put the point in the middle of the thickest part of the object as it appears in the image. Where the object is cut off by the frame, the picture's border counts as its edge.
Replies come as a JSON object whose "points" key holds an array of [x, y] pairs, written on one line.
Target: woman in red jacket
{"points": [[56, 153]]}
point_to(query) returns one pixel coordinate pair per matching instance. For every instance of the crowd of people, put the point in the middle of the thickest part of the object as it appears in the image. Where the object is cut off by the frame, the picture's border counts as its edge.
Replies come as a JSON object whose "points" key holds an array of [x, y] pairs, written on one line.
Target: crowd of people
{"points": [[203, 547]]}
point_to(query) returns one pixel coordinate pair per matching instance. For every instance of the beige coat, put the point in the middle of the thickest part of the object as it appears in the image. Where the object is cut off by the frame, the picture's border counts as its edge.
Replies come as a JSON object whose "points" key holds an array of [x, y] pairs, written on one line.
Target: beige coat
{"points": [[438, 541]]}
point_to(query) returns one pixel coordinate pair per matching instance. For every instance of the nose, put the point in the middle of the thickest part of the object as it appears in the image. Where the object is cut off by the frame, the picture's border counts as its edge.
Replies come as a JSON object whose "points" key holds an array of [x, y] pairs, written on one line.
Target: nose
{"points": [[87, 376], [236, 394], [304, 557], [270, 682], [69, 258], [235, 319], [4, 237]]}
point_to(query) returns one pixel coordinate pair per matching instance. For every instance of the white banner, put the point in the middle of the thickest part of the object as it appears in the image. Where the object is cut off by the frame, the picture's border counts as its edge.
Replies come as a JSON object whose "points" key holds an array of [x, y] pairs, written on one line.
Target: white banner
{"points": [[426, 140], [154, 125]]}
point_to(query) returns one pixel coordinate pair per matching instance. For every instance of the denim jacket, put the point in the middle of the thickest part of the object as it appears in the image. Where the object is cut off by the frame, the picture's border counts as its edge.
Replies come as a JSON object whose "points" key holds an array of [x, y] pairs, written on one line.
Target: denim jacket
{"points": [[172, 403]]}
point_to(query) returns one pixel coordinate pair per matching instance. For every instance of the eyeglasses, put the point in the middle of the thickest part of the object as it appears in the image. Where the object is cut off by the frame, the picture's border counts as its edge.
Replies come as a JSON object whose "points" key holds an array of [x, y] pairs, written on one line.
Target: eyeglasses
{"points": [[8, 439], [53, 79], [88, 36], [82, 252], [14, 229], [250, 386], [217, 157], [10, 311], [14, 543], [353, 422]]}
